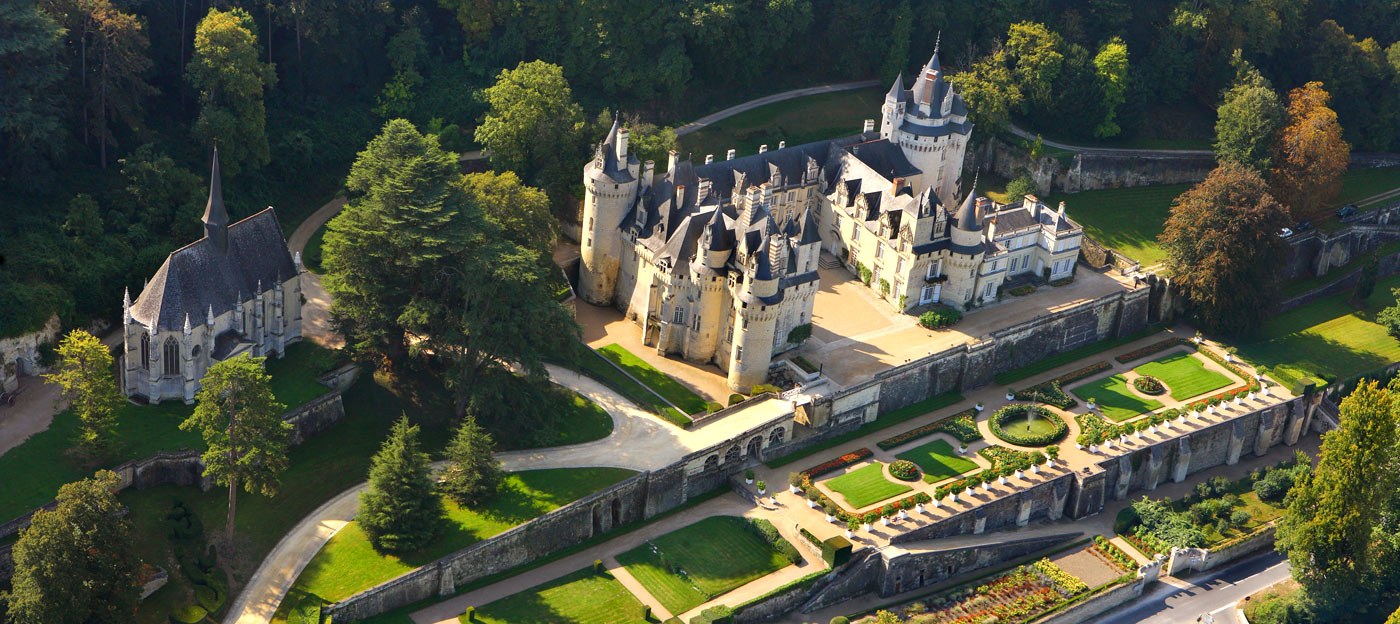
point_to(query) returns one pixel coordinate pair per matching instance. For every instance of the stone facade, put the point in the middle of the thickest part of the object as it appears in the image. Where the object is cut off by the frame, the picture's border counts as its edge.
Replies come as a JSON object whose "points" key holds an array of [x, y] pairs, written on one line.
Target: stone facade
{"points": [[19, 355]]}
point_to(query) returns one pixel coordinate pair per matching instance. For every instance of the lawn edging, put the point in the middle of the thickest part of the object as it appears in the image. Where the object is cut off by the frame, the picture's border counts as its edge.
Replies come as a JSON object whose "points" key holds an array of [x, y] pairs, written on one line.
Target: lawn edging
{"points": [[661, 384], [622, 382]]}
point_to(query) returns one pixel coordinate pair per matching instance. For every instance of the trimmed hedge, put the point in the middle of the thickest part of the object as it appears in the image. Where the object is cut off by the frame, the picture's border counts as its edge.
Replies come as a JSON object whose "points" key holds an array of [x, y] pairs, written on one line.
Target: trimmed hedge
{"points": [[962, 425], [1155, 347], [1051, 391], [1014, 411], [939, 317], [836, 551]]}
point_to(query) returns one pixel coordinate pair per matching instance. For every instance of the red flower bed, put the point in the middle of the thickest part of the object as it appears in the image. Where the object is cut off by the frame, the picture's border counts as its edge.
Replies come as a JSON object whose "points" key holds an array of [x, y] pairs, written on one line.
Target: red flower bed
{"points": [[840, 462], [1150, 349]]}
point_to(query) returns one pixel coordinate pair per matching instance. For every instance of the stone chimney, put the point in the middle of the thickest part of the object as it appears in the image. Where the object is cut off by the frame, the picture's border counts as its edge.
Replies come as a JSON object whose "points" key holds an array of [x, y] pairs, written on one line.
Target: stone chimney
{"points": [[869, 126], [648, 172], [729, 155], [782, 144], [763, 148], [709, 158], [1061, 213], [704, 191], [672, 158], [622, 145]]}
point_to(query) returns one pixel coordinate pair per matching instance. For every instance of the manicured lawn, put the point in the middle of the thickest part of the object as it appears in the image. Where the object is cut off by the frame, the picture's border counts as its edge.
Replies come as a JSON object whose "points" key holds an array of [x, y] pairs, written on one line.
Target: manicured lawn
{"points": [[717, 554], [803, 120], [294, 374], [594, 365], [1127, 219], [663, 384], [311, 255], [1327, 339], [348, 563], [583, 597], [1058, 360], [938, 460], [586, 421], [865, 486], [1184, 375], [1115, 400], [889, 419]]}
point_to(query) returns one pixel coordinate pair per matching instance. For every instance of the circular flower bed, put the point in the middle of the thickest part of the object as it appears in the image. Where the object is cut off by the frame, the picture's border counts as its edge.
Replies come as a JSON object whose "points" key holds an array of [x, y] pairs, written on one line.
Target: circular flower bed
{"points": [[1028, 425], [1149, 385], [905, 470]]}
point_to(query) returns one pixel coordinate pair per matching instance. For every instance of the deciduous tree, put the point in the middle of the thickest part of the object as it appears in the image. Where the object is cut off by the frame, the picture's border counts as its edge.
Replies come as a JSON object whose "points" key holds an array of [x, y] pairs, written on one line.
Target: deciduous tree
{"points": [[474, 472], [230, 79], [1036, 60], [1309, 155], [89, 385], [1327, 529], [400, 511], [117, 85], [534, 127], [1223, 247], [77, 564], [522, 212], [31, 66], [990, 90], [1111, 65], [241, 422], [1248, 120]]}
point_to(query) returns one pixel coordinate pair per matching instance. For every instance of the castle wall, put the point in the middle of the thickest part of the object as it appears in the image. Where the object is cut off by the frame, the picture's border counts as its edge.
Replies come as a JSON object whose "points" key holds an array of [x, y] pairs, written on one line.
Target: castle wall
{"points": [[19, 355]]}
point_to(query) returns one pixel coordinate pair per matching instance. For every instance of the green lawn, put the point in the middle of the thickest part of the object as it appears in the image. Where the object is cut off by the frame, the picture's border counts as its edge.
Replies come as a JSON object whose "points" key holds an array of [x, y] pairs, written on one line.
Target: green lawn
{"points": [[587, 421], [348, 563], [1327, 338], [866, 486], [888, 419], [583, 597], [1055, 361], [716, 554], [1127, 219], [663, 384], [1115, 400], [592, 364], [938, 460], [1184, 375], [803, 120], [311, 255]]}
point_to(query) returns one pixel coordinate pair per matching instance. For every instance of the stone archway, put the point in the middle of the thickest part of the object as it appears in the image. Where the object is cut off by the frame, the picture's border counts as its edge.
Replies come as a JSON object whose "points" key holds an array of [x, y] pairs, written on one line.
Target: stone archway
{"points": [[755, 446], [616, 513], [597, 520], [712, 462], [731, 455]]}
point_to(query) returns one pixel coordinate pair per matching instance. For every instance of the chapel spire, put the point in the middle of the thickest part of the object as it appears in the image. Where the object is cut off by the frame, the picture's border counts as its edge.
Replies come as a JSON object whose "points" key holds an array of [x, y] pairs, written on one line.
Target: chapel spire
{"points": [[215, 215]]}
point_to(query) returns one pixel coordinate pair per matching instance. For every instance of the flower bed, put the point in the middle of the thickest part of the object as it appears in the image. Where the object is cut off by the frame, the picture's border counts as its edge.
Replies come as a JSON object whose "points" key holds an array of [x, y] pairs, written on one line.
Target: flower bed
{"points": [[1021, 594], [1050, 391], [840, 462], [1113, 554], [1068, 584], [1005, 462], [1002, 457], [1054, 433], [1149, 385], [1147, 544], [905, 470], [1155, 347], [962, 425]]}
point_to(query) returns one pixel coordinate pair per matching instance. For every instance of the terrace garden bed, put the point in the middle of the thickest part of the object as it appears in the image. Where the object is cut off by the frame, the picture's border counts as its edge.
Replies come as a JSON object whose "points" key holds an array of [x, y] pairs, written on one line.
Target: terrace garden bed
{"points": [[866, 486], [1028, 425], [938, 461], [1149, 385]]}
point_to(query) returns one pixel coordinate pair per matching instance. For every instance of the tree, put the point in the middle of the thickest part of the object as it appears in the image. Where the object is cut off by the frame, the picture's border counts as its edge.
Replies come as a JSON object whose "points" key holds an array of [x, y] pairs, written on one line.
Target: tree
{"points": [[990, 90], [1036, 57], [1362, 83], [1365, 284], [534, 127], [1222, 247], [897, 57], [241, 422], [77, 563], [1020, 187], [1248, 119], [86, 375], [522, 212], [120, 61], [165, 198], [1310, 155], [474, 473], [1327, 529], [230, 79], [400, 511], [1390, 317], [31, 68], [1111, 66]]}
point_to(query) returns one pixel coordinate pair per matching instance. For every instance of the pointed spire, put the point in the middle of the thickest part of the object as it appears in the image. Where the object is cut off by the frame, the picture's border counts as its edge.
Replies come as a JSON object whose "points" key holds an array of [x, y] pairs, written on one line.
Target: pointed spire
{"points": [[126, 306], [719, 235], [763, 269], [933, 62], [967, 218], [897, 89], [210, 319], [215, 215], [187, 323]]}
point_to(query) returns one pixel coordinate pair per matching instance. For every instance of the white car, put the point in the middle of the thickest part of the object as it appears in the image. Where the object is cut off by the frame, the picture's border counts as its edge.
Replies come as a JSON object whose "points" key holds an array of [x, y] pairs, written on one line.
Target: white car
{"points": [[1285, 233]]}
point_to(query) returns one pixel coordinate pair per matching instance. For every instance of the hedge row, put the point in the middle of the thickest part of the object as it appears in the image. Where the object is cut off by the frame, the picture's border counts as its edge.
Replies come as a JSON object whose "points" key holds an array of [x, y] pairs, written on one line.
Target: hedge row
{"points": [[962, 425], [1155, 347], [1016, 410], [1051, 391]]}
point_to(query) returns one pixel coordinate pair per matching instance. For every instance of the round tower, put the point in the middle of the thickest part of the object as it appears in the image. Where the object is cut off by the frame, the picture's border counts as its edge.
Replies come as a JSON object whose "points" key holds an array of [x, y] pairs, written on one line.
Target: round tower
{"points": [[965, 250], [757, 320], [610, 185]]}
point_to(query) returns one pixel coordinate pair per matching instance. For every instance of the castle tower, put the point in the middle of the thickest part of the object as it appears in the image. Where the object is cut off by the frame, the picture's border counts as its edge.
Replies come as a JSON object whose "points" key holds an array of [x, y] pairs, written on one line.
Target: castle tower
{"points": [[756, 319], [610, 187], [929, 123], [965, 257]]}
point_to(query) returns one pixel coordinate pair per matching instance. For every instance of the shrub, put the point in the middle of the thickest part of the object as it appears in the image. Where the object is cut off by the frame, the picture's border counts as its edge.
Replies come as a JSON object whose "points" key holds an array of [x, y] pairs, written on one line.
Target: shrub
{"points": [[468, 615], [1239, 518], [962, 425], [1149, 385], [736, 398], [1275, 484], [840, 462], [800, 334], [795, 479], [748, 475], [762, 388], [836, 551], [188, 614], [762, 485], [1155, 347], [904, 470], [941, 316], [864, 273], [1051, 392], [1011, 412], [840, 619], [884, 287], [598, 566]]}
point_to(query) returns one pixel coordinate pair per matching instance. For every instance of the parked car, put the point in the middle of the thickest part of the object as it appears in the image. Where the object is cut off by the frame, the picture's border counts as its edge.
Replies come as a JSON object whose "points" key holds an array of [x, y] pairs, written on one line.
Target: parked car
{"points": [[1346, 211], [1285, 233], [1302, 226]]}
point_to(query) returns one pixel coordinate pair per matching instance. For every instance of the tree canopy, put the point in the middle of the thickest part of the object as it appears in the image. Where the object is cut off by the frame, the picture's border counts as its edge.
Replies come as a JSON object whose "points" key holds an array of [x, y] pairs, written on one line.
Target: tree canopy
{"points": [[400, 510], [230, 79], [534, 126], [85, 374], [1309, 155], [1248, 120]]}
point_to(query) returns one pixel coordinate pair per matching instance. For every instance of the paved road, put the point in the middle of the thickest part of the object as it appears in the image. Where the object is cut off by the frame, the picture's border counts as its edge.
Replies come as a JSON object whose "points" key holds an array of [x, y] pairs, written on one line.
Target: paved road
{"points": [[776, 97], [1176, 600]]}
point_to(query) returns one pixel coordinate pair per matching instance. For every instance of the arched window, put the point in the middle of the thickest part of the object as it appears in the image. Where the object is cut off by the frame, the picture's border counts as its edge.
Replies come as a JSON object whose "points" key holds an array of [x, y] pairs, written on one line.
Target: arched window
{"points": [[146, 351], [171, 356]]}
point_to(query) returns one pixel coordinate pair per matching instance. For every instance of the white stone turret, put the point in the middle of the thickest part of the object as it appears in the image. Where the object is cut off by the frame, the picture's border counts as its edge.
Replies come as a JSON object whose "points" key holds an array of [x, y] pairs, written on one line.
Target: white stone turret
{"points": [[611, 183]]}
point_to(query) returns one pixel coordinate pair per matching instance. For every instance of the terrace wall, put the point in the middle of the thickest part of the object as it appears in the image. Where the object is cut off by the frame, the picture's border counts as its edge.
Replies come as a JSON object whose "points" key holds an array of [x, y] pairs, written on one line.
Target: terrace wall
{"points": [[1316, 253], [1092, 170]]}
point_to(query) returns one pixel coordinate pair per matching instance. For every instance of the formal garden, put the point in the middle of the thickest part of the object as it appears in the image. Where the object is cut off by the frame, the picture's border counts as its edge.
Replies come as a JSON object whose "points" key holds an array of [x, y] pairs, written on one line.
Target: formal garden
{"points": [[1179, 376], [588, 596]]}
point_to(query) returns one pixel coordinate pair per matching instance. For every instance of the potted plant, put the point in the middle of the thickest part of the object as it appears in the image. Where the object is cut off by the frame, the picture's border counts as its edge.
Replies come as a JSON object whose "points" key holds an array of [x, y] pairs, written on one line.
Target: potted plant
{"points": [[1197, 338], [979, 406], [762, 488], [830, 510], [919, 508], [1094, 448], [773, 499], [794, 482], [956, 490], [1054, 455], [1010, 394], [748, 477], [1092, 405], [851, 526], [1230, 353], [962, 448], [812, 498]]}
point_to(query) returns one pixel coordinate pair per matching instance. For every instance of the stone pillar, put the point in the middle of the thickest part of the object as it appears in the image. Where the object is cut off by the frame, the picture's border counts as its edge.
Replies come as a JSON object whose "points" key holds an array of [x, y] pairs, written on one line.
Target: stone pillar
{"points": [[259, 328], [1236, 443], [1057, 504], [157, 346], [1296, 422], [1150, 571], [1023, 510], [1183, 459], [447, 581], [1087, 495], [1155, 459], [279, 321], [187, 362], [979, 523], [1265, 439], [1125, 476]]}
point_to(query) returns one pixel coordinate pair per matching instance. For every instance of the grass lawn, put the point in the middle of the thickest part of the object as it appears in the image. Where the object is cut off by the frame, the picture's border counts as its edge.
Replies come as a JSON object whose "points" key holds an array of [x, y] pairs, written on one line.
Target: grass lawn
{"points": [[583, 597], [587, 421], [1127, 219], [1058, 360], [311, 255], [1116, 402], [938, 460], [865, 486], [663, 384], [348, 563], [142, 430], [889, 419], [1327, 338], [717, 554], [594, 365], [1184, 375], [798, 121]]}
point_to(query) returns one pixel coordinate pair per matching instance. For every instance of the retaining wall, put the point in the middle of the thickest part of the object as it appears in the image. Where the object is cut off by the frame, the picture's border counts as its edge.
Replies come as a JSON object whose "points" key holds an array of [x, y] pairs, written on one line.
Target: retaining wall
{"points": [[1101, 601], [1184, 560], [19, 355], [1091, 170]]}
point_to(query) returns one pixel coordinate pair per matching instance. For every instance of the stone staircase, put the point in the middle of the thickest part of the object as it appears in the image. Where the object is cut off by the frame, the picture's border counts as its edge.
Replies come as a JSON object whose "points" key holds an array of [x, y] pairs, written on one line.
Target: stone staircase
{"points": [[828, 261]]}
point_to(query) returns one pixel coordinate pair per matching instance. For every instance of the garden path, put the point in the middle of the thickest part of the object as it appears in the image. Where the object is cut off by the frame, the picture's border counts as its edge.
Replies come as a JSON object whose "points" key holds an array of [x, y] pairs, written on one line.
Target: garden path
{"points": [[315, 313]]}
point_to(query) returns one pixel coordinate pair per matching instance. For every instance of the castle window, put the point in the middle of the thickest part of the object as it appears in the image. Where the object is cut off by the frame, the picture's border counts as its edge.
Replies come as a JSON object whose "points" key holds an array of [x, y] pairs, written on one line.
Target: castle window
{"points": [[729, 335], [739, 353], [879, 251], [899, 266], [696, 323], [680, 316], [855, 233], [590, 222], [171, 356], [146, 351]]}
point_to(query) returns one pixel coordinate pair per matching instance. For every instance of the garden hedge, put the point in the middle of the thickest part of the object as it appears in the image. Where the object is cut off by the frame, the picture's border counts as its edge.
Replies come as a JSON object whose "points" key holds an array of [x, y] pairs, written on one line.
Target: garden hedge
{"points": [[1013, 411], [836, 551]]}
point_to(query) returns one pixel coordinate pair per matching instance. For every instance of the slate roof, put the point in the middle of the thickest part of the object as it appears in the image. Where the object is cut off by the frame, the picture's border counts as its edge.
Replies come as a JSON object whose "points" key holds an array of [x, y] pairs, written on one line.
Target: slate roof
{"points": [[199, 276], [612, 170], [966, 219]]}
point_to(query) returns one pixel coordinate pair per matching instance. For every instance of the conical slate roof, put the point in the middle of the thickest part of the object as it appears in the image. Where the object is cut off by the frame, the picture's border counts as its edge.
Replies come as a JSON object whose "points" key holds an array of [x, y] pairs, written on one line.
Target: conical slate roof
{"points": [[214, 211], [966, 219]]}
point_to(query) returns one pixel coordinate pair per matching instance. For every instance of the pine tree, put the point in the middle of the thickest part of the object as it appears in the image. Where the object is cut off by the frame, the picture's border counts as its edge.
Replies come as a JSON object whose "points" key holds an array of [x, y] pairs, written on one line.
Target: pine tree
{"points": [[85, 374], [76, 564], [400, 511], [1327, 530], [475, 473]]}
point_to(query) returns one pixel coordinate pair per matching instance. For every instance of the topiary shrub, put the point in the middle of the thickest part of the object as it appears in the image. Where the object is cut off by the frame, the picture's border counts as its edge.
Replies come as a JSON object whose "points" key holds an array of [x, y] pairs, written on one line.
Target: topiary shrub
{"points": [[191, 614], [800, 334], [762, 388], [468, 616], [1016, 411], [736, 398], [939, 317], [904, 470]]}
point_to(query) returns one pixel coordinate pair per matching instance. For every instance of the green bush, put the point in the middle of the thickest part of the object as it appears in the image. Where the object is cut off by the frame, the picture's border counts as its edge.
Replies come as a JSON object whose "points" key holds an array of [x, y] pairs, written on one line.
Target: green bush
{"points": [[836, 551], [938, 317], [188, 615], [598, 566], [468, 615], [211, 596], [715, 615], [1010, 412], [800, 334], [736, 398], [762, 388], [864, 273]]}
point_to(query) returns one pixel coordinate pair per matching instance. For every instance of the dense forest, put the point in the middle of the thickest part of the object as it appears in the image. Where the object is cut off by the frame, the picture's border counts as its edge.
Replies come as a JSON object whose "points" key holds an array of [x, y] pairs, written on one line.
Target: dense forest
{"points": [[109, 108]]}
